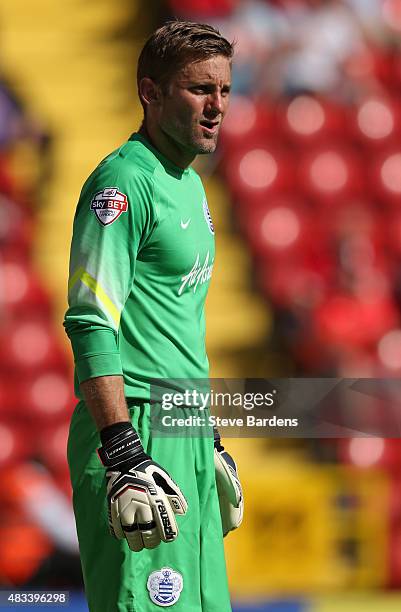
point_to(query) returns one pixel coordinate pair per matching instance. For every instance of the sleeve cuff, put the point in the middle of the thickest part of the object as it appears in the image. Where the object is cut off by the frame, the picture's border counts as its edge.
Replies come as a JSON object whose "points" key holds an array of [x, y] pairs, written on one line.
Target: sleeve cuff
{"points": [[96, 354], [105, 364]]}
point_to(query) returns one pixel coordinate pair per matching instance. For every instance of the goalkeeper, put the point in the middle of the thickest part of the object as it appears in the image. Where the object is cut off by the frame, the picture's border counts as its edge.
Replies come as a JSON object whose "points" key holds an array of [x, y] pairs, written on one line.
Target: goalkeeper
{"points": [[141, 258]]}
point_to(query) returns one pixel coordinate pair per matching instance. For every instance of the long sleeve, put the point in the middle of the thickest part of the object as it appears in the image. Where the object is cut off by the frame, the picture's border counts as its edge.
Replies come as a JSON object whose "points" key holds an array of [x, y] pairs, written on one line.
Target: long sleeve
{"points": [[113, 219]]}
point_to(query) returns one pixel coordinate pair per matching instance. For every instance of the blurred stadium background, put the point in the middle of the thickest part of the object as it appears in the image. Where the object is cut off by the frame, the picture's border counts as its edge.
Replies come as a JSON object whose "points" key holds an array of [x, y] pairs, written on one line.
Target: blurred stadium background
{"points": [[305, 192]]}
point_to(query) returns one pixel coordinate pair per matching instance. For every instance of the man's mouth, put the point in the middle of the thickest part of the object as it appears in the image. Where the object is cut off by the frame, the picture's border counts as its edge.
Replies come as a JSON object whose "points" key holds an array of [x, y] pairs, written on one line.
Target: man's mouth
{"points": [[210, 126]]}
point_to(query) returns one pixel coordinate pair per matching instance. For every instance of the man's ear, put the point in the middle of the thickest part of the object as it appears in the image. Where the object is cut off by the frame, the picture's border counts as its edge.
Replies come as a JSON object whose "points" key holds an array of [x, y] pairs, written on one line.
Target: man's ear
{"points": [[149, 91]]}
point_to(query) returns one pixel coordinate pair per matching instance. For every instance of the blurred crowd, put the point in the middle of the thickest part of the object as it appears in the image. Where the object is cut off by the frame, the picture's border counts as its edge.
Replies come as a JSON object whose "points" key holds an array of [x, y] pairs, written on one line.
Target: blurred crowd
{"points": [[37, 530], [285, 47], [311, 154]]}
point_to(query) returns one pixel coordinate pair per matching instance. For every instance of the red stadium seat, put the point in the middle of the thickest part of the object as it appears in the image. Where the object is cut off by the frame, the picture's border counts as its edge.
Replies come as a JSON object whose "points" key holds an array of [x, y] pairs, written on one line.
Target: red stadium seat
{"points": [[22, 293], [28, 346], [255, 203], [385, 176], [330, 174], [46, 398], [375, 121], [15, 443], [246, 122], [344, 321], [308, 120], [375, 452], [296, 283], [261, 171], [282, 229], [389, 350], [9, 397]]}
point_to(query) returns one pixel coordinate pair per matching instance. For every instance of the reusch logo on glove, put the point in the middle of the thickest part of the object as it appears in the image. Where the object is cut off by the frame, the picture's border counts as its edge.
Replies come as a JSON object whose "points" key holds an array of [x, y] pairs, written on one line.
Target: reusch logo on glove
{"points": [[108, 205], [170, 533]]}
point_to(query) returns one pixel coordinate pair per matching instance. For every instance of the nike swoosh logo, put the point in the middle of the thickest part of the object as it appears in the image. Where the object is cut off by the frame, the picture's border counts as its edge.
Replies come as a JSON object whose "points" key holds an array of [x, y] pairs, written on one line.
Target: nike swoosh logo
{"points": [[185, 225]]}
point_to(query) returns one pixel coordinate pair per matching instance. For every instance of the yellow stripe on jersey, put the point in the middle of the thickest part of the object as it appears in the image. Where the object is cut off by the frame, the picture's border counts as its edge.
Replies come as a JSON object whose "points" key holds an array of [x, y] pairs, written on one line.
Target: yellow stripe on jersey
{"points": [[82, 275]]}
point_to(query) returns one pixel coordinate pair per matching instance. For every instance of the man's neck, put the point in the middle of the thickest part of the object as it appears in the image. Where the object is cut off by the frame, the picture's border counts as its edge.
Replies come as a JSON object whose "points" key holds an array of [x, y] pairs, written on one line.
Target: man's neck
{"points": [[166, 146]]}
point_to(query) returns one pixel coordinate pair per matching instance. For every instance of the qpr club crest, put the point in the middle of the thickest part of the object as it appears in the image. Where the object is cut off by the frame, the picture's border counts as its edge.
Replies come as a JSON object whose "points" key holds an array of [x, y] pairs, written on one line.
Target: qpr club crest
{"points": [[165, 586], [108, 205], [208, 216]]}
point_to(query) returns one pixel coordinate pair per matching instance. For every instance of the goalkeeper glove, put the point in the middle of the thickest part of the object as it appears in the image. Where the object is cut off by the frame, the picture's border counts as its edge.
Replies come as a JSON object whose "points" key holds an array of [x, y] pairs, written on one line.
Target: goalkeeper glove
{"points": [[228, 487], [142, 498]]}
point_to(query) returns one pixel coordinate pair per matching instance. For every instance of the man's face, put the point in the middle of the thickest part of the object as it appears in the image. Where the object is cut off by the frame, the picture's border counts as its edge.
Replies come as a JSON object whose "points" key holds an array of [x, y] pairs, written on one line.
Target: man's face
{"points": [[193, 107]]}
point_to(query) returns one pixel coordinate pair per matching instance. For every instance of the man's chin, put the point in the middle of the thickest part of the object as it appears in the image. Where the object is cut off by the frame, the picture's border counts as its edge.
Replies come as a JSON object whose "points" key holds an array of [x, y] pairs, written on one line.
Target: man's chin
{"points": [[204, 147]]}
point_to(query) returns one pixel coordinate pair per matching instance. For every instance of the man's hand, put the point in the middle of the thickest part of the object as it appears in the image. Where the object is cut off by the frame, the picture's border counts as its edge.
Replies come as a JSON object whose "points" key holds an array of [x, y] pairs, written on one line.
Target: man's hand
{"points": [[229, 488], [142, 497]]}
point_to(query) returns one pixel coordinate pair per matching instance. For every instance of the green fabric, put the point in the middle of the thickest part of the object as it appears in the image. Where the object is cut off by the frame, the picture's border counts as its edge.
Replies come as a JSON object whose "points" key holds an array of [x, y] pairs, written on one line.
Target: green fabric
{"points": [[95, 351], [136, 306], [115, 577], [151, 266]]}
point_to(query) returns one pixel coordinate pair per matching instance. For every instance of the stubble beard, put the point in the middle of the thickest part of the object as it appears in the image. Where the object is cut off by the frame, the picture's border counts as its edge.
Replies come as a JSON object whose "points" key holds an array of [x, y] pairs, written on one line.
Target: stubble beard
{"points": [[207, 147], [188, 139], [205, 144]]}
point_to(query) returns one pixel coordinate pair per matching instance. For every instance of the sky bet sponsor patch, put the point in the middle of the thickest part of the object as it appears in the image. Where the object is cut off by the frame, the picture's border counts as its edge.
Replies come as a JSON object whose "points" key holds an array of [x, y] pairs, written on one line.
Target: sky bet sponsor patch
{"points": [[108, 205]]}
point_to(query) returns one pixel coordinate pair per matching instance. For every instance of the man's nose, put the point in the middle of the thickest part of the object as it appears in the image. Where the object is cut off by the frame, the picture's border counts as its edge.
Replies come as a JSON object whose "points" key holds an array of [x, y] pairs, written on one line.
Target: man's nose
{"points": [[215, 102]]}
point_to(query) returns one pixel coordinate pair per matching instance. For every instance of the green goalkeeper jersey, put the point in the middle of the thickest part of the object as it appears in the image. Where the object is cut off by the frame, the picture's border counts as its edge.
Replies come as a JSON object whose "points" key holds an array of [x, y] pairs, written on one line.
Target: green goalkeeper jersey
{"points": [[141, 259]]}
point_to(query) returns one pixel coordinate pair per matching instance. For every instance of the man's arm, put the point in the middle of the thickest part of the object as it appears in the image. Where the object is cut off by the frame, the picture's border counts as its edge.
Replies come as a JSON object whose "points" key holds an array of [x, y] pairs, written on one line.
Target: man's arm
{"points": [[102, 268], [104, 397], [142, 498]]}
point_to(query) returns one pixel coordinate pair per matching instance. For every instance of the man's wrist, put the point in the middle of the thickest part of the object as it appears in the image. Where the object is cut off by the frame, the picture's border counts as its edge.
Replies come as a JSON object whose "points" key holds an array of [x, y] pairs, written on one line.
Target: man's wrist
{"points": [[107, 433], [121, 448]]}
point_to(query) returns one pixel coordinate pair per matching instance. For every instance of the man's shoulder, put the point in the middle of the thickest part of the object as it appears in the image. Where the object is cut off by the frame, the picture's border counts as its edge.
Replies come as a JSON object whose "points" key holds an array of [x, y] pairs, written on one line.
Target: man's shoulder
{"points": [[131, 159], [126, 170], [126, 167]]}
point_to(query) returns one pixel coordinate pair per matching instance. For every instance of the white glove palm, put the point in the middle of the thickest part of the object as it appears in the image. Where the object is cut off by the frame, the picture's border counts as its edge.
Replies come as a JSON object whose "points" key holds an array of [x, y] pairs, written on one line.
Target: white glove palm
{"points": [[142, 498], [229, 488]]}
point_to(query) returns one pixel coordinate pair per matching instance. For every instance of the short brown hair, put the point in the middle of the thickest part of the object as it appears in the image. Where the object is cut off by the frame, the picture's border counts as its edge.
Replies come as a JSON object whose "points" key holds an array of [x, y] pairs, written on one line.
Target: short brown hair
{"points": [[177, 43]]}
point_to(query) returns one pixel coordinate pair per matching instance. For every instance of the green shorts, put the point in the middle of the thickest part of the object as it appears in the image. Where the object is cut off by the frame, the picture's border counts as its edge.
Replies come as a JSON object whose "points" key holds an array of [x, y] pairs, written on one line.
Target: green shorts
{"points": [[119, 580]]}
